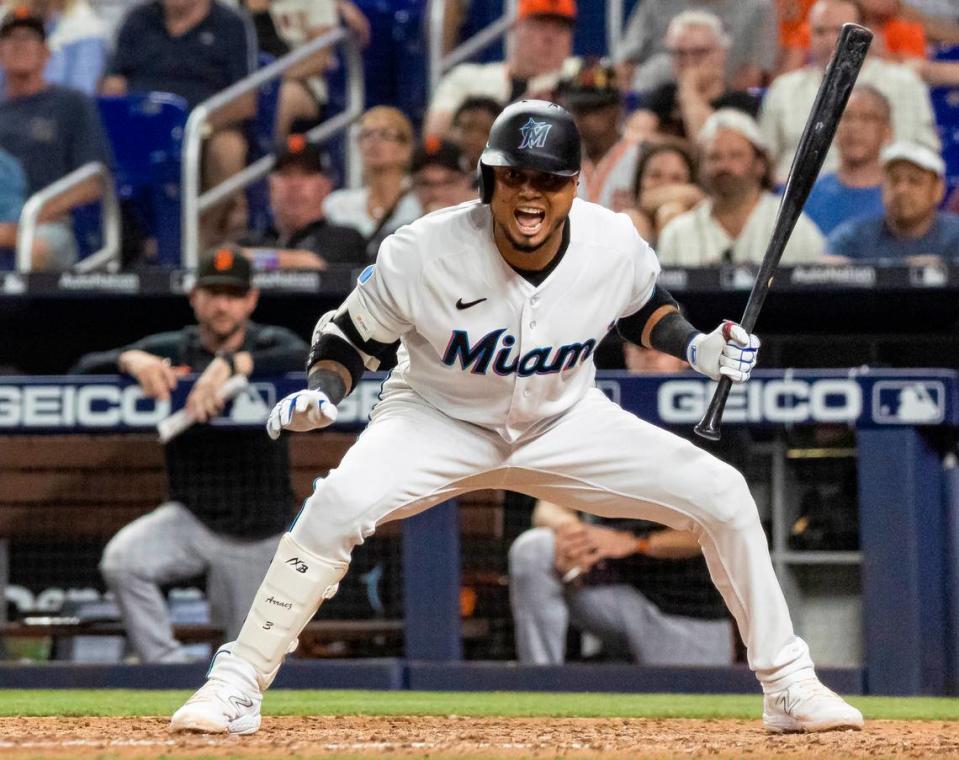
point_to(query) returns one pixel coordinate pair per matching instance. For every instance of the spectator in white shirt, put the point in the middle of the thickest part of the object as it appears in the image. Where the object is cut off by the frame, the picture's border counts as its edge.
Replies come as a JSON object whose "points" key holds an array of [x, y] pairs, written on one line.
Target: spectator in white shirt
{"points": [[790, 96], [539, 45], [734, 224]]}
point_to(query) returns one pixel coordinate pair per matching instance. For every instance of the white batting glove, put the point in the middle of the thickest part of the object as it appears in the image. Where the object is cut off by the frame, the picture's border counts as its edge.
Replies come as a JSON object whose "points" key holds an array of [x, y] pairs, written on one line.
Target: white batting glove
{"points": [[299, 412], [728, 350]]}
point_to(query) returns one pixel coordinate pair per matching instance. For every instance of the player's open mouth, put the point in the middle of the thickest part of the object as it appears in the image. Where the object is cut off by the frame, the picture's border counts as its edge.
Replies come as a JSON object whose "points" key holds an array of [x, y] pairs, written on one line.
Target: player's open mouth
{"points": [[529, 220]]}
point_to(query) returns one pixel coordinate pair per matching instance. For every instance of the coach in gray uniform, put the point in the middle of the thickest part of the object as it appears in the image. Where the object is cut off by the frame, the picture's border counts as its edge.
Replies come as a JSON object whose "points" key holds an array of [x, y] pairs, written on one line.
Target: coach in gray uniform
{"points": [[230, 496], [643, 589]]}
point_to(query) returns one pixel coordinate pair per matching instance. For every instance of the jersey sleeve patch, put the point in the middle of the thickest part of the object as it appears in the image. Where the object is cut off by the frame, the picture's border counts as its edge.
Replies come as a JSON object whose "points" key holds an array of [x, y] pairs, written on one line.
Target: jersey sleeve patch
{"points": [[366, 274]]}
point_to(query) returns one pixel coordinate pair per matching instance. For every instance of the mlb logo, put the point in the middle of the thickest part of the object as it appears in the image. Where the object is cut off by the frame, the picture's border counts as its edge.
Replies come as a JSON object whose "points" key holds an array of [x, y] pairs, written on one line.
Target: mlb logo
{"points": [[253, 405], [736, 278], [182, 281], [12, 284], [929, 276], [908, 402]]}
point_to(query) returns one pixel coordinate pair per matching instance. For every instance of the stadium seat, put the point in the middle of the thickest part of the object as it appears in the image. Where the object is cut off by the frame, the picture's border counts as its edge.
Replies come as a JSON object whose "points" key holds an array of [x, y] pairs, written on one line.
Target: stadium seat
{"points": [[945, 103], [146, 133]]}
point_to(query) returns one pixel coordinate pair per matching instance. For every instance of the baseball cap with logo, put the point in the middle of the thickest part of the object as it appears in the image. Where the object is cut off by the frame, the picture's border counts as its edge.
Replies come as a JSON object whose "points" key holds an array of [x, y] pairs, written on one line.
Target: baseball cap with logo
{"points": [[21, 16], [434, 151], [298, 151], [915, 153], [593, 85], [224, 266], [564, 9]]}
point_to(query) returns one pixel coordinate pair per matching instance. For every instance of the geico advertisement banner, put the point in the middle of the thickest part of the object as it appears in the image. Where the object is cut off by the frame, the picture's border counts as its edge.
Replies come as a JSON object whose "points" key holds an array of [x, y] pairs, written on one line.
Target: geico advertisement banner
{"points": [[763, 401], [889, 398], [113, 403]]}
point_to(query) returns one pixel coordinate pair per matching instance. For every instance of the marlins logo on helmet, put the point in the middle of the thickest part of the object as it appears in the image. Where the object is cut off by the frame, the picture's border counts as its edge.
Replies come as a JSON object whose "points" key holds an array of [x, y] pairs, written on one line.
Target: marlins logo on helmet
{"points": [[534, 134]]}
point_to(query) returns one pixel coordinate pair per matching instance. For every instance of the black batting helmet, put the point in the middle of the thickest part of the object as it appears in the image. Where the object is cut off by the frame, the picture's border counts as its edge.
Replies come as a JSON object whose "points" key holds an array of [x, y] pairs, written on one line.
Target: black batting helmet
{"points": [[530, 134]]}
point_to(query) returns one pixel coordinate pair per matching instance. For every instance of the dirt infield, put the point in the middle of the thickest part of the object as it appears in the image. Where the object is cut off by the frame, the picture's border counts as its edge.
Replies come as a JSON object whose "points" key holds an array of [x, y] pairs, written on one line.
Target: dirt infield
{"points": [[460, 737]]}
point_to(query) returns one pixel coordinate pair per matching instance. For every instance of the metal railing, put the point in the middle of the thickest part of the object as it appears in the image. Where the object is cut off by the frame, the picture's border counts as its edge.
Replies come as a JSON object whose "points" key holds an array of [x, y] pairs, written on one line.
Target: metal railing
{"points": [[440, 63], [193, 204], [614, 27], [110, 215]]}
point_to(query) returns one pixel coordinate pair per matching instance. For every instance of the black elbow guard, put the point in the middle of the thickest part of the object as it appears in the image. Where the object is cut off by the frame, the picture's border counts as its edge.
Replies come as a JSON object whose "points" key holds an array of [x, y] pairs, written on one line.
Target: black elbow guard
{"points": [[377, 349]]}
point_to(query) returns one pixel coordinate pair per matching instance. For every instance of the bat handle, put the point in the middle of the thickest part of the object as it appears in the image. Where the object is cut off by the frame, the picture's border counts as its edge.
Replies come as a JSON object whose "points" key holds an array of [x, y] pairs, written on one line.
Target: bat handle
{"points": [[708, 426]]}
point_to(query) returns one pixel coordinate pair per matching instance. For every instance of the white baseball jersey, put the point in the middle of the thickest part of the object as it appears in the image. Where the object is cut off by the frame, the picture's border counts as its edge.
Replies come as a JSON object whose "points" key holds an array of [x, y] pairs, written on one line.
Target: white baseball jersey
{"points": [[480, 342], [494, 388]]}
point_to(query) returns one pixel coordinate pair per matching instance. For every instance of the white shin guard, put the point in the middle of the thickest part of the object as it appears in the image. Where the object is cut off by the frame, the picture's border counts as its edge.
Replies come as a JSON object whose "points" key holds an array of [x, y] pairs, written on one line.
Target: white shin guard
{"points": [[295, 586]]}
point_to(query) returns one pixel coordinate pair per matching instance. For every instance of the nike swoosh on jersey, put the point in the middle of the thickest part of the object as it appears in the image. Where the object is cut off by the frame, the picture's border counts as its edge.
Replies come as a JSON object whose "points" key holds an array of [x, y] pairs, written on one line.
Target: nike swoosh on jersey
{"points": [[460, 305]]}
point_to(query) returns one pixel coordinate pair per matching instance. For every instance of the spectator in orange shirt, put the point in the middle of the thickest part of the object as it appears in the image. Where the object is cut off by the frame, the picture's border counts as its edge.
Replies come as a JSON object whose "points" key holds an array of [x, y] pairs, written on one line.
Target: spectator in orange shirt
{"points": [[899, 36], [793, 33]]}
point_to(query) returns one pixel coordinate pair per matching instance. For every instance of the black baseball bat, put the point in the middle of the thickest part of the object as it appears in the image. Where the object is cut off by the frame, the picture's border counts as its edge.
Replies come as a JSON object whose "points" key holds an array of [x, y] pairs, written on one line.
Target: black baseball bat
{"points": [[837, 83]]}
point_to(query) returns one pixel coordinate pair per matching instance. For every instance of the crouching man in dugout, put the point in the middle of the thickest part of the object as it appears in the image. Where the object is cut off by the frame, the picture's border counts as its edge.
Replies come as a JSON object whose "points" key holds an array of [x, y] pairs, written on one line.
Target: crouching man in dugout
{"points": [[497, 305], [229, 495]]}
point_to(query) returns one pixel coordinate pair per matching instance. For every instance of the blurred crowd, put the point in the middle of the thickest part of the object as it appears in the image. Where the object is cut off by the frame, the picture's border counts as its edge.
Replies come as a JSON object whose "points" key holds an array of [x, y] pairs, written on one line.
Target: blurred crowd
{"points": [[689, 126]]}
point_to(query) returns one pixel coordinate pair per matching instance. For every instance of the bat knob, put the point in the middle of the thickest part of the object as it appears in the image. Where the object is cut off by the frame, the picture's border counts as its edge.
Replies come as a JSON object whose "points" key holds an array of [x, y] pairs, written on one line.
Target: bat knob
{"points": [[708, 429]]}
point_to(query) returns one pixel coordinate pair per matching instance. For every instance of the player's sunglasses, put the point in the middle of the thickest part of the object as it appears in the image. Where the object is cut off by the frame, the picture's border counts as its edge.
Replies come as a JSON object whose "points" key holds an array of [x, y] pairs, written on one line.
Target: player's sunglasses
{"points": [[542, 181]]}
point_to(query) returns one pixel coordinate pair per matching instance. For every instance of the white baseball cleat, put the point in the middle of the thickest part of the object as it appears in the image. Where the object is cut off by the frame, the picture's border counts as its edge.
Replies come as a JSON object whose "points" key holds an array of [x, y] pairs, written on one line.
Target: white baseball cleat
{"points": [[807, 705], [228, 703]]}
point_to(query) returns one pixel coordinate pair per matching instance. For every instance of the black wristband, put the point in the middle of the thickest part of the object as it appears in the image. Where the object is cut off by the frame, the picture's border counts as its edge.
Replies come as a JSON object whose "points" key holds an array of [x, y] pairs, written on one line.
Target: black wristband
{"points": [[329, 382], [230, 358], [672, 334]]}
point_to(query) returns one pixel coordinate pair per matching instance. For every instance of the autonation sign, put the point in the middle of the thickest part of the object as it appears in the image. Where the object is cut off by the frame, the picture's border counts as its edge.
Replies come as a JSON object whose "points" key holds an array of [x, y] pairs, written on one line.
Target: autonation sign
{"points": [[764, 400]]}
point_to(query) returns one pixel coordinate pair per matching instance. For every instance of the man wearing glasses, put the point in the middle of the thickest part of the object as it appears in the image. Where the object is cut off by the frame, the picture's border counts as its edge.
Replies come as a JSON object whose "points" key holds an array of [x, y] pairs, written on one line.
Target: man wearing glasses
{"points": [[750, 24], [441, 175], [790, 96], [698, 48]]}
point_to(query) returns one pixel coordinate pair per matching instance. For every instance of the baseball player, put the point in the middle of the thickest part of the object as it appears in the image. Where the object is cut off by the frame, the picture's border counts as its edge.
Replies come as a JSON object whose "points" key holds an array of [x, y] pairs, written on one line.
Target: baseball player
{"points": [[497, 306]]}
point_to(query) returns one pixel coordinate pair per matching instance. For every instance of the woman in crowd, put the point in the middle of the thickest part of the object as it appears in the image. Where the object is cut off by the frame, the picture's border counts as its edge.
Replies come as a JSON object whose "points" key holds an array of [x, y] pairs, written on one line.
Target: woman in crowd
{"points": [[664, 187], [385, 201]]}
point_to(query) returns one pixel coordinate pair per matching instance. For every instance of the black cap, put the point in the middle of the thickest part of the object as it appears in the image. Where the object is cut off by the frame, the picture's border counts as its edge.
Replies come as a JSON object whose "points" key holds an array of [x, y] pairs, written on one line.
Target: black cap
{"points": [[224, 266], [434, 151], [595, 85], [21, 16], [298, 151]]}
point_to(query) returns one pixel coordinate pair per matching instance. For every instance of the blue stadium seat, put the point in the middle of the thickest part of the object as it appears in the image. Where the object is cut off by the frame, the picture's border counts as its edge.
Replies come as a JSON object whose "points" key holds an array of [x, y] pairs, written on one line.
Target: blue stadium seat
{"points": [[87, 228], [945, 104], [146, 133]]}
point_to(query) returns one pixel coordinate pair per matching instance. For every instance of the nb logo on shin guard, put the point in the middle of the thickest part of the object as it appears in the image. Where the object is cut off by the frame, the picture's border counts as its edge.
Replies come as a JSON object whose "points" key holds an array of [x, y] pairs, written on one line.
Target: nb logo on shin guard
{"points": [[297, 564]]}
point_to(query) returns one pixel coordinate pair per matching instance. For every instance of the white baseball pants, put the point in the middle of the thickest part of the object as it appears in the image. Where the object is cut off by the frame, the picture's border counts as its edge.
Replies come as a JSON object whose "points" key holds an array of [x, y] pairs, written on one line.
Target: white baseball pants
{"points": [[595, 458]]}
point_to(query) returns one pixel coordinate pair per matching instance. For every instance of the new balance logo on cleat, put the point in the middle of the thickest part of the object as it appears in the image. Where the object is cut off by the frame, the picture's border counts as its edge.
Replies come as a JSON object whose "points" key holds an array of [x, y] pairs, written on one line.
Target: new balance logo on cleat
{"points": [[786, 703], [298, 564], [239, 702], [807, 705]]}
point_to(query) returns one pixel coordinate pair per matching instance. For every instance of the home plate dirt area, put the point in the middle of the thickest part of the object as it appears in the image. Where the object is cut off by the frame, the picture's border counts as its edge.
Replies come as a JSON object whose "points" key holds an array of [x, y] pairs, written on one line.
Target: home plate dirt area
{"points": [[461, 737]]}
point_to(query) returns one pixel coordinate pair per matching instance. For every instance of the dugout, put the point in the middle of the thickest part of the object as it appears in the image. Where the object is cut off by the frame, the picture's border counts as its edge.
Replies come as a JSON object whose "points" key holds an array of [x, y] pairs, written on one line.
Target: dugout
{"points": [[904, 563]]}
